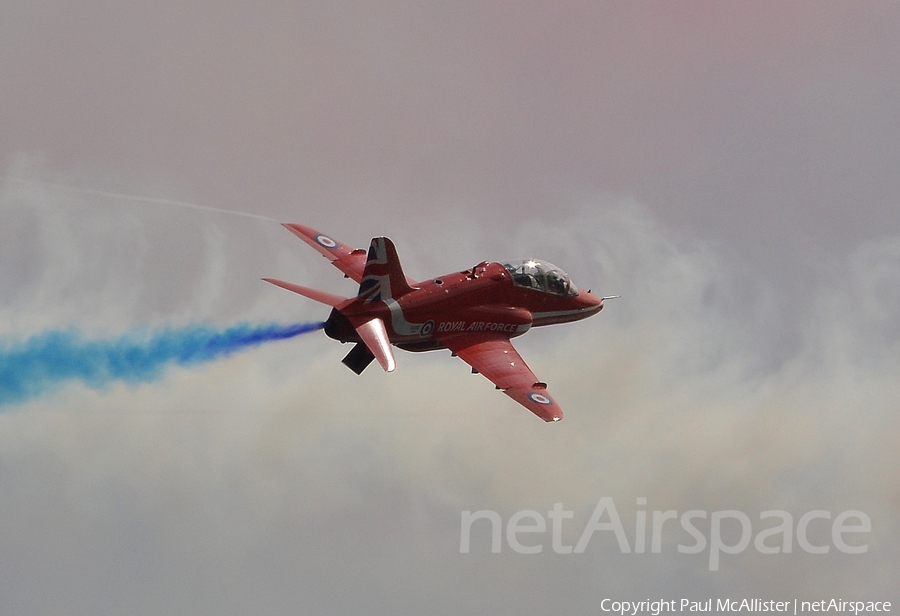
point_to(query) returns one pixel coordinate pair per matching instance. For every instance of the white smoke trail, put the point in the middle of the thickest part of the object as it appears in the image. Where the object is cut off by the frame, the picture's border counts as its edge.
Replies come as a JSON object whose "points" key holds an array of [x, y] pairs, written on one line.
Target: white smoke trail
{"points": [[135, 198]]}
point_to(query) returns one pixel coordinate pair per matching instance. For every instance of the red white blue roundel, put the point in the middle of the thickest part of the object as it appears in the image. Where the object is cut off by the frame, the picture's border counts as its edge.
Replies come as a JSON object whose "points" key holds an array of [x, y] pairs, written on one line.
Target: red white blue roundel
{"points": [[427, 328], [539, 398], [326, 241]]}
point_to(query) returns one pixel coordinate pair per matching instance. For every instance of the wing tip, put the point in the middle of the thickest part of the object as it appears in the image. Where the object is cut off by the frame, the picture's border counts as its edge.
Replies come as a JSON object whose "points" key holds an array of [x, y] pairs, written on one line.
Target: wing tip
{"points": [[551, 414], [538, 401]]}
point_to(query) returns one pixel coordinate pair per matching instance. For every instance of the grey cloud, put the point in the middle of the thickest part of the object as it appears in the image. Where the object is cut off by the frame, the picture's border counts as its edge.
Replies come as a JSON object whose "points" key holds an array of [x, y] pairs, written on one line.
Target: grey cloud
{"points": [[278, 479], [729, 169]]}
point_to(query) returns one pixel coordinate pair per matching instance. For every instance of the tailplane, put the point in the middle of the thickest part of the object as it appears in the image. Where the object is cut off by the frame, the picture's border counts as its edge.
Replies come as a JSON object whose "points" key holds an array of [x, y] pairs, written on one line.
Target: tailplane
{"points": [[322, 297]]}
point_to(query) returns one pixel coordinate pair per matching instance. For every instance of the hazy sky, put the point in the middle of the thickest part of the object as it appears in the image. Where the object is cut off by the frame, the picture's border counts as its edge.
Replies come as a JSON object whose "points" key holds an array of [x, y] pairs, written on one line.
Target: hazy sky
{"points": [[731, 169]]}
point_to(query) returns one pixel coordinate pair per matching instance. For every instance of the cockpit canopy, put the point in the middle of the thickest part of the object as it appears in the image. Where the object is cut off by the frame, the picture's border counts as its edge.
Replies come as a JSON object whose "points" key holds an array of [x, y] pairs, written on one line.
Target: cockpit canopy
{"points": [[541, 276]]}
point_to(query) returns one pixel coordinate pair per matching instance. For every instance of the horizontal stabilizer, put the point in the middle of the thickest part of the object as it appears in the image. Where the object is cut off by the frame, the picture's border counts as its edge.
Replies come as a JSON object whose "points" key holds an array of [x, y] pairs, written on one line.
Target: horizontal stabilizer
{"points": [[374, 335], [319, 296]]}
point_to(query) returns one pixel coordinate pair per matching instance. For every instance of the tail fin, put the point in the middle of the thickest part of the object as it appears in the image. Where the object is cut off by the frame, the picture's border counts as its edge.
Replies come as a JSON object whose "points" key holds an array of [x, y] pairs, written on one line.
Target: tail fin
{"points": [[383, 277]]}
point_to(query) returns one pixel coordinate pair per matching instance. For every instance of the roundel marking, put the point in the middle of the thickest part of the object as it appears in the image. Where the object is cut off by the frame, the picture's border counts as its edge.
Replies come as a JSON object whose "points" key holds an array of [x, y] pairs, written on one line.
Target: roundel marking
{"points": [[326, 241], [540, 399], [427, 328]]}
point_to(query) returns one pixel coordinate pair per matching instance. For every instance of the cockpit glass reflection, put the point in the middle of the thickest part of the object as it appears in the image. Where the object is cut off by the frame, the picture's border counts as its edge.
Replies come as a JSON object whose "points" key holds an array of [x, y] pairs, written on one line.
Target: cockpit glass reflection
{"points": [[541, 276]]}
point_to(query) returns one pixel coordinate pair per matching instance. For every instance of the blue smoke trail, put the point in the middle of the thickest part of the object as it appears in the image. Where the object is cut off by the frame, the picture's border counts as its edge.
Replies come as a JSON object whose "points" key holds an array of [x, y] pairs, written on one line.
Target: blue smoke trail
{"points": [[30, 368]]}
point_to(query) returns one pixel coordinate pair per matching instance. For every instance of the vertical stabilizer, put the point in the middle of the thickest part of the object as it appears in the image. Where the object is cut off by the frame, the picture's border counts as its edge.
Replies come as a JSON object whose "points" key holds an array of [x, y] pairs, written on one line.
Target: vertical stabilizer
{"points": [[383, 277]]}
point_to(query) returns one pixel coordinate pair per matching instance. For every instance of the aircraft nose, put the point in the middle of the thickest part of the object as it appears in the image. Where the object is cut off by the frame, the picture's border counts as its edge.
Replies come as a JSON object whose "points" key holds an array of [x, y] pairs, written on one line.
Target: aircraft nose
{"points": [[589, 300]]}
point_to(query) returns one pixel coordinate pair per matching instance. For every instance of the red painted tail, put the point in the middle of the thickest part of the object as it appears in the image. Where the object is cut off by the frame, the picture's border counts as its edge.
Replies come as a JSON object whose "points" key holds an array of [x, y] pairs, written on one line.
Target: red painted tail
{"points": [[383, 277]]}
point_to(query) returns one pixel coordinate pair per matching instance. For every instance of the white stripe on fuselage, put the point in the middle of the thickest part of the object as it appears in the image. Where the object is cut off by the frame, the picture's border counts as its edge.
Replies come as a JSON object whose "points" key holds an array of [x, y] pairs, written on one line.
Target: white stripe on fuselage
{"points": [[399, 324], [564, 313]]}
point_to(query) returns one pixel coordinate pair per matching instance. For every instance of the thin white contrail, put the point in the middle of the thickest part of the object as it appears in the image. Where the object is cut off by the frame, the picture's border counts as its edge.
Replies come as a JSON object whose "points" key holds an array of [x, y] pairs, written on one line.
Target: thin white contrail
{"points": [[114, 195]]}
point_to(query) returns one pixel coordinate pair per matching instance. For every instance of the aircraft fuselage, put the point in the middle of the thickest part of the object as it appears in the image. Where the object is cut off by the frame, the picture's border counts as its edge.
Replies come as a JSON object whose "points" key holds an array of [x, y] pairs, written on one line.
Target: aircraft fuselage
{"points": [[474, 313], [482, 299]]}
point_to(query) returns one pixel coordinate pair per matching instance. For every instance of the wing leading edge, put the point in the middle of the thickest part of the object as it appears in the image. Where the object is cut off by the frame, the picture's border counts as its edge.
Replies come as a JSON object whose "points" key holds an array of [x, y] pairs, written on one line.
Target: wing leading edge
{"points": [[497, 359], [351, 261]]}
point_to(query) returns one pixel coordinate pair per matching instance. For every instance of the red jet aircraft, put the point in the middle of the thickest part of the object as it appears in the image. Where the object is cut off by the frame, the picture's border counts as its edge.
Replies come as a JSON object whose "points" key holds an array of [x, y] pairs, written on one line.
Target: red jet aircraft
{"points": [[474, 313]]}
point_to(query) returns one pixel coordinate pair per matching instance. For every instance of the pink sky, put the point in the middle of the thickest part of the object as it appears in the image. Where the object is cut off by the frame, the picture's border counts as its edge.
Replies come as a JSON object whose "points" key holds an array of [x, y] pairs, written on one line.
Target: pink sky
{"points": [[732, 169]]}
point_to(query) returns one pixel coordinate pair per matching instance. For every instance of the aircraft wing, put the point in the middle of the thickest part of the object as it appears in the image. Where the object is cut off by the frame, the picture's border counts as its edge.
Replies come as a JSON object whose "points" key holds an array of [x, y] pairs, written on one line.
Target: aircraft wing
{"points": [[496, 358], [351, 261]]}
